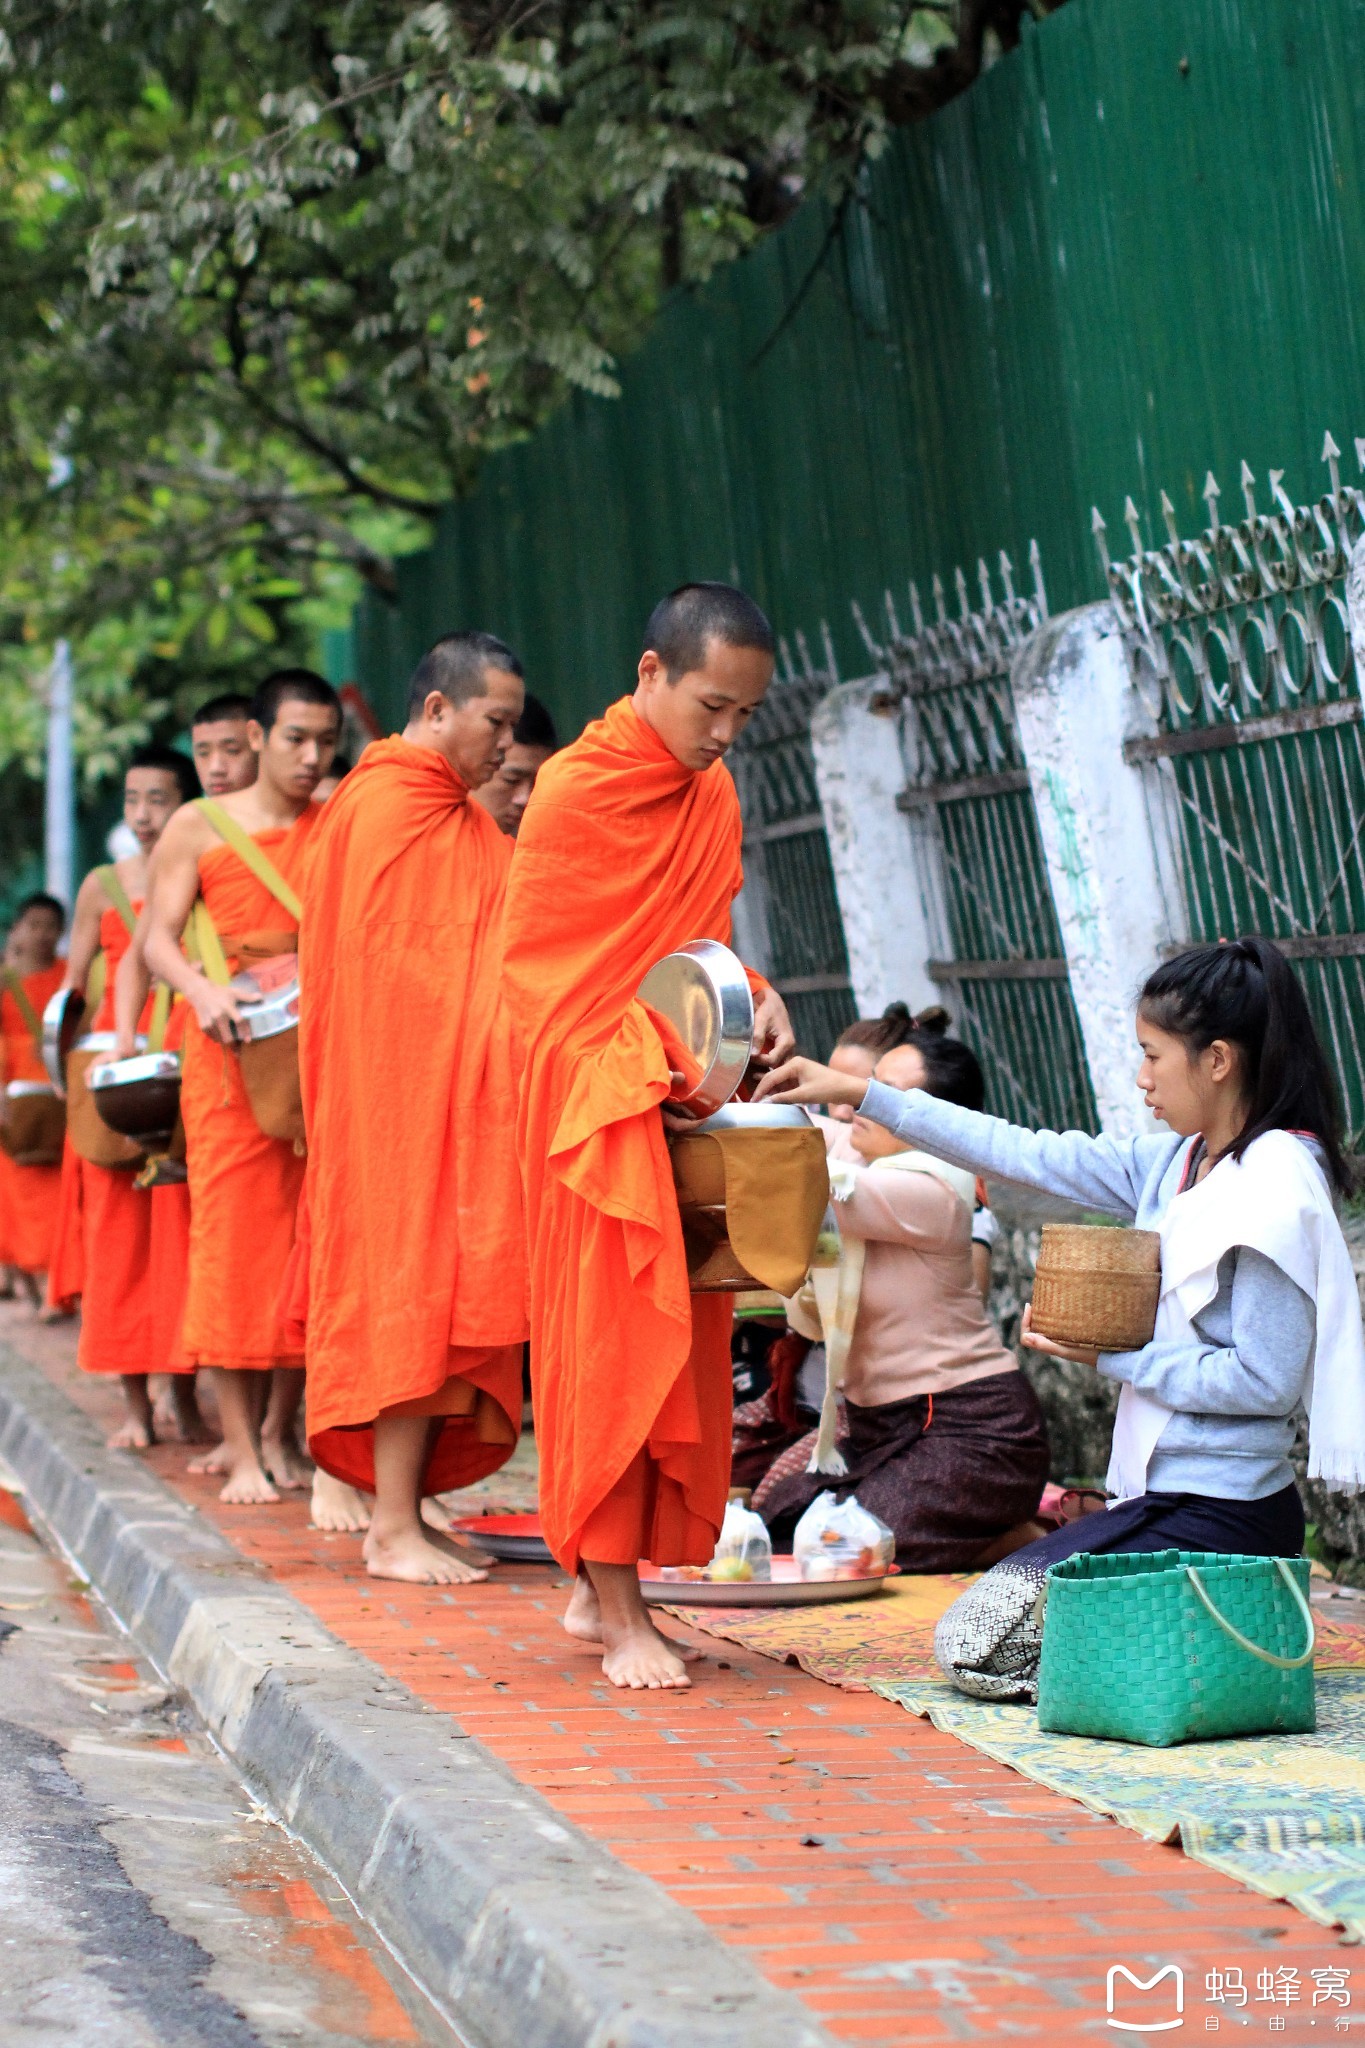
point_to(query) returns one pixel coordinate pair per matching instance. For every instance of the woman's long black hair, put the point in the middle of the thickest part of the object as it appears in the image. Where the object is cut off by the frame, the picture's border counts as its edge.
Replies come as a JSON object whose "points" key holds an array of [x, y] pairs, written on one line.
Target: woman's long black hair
{"points": [[1246, 992]]}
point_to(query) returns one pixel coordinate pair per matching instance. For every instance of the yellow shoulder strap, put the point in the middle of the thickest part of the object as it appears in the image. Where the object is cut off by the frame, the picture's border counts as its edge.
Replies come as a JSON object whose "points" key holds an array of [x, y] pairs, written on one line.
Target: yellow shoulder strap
{"points": [[26, 1009], [161, 1011], [203, 943], [95, 982], [118, 895], [251, 856]]}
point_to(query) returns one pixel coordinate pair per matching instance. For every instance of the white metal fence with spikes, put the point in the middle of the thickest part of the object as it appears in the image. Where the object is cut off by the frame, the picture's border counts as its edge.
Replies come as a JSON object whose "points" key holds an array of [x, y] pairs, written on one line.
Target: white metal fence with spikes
{"points": [[1240, 643]]}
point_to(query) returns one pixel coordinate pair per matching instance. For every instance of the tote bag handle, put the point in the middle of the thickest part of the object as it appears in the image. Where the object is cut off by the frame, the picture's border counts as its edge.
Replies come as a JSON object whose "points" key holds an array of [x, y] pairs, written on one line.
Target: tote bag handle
{"points": [[1244, 1642]]}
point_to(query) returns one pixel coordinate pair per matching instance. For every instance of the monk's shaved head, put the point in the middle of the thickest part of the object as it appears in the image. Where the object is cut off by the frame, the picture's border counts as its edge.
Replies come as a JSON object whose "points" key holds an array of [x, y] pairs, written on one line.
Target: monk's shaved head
{"points": [[293, 686], [456, 667], [683, 624], [227, 709]]}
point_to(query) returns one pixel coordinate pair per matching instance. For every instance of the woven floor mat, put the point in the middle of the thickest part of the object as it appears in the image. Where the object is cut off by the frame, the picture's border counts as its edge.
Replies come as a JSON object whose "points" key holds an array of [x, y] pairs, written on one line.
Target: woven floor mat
{"points": [[888, 1635], [1284, 1814]]}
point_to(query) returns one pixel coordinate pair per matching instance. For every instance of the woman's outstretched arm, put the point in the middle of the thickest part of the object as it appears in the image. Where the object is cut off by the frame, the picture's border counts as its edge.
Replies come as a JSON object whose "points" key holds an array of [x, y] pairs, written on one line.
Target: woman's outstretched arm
{"points": [[1106, 1174]]}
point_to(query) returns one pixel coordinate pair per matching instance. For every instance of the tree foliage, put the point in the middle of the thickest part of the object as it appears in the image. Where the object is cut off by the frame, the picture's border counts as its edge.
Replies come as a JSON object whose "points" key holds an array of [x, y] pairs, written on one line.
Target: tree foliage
{"points": [[276, 274]]}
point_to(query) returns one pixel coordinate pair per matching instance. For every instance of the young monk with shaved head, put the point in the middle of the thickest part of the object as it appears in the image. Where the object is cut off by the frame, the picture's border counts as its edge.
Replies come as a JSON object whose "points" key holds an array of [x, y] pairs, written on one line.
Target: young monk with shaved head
{"points": [[244, 1185], [630, 848], [508, 791], [221, 746], [416, 1300], [110, 1214]]}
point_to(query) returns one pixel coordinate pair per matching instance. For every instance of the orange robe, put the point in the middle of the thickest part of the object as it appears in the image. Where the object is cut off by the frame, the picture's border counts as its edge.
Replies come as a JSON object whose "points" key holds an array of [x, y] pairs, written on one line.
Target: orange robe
{"points": [[244, 1187], [416, 1286], [66, 1270], [169, 1249], [116, 1318], [29, 1195], [623, 856]]}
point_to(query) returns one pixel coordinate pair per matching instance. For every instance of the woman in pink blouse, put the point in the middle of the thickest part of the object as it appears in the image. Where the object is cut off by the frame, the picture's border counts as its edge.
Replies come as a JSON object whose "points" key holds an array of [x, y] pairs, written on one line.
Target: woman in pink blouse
{"points": [[941, 1434]]}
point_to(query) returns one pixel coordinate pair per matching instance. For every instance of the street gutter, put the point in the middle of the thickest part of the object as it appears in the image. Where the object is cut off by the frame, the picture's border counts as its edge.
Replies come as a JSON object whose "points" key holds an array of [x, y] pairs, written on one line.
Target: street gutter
{"points": [[522, 1931]]}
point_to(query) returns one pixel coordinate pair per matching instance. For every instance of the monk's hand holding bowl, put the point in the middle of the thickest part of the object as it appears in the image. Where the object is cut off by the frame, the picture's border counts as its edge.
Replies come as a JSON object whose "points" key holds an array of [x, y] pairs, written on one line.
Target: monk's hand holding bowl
{"points": [[676, 1119], [1033, 1340], [801, 1080], [774, 1039], [218, 1011]]}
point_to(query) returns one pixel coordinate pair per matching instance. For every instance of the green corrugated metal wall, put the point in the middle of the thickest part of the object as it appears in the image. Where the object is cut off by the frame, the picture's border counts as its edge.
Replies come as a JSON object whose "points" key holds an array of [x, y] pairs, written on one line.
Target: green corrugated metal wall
{"points": [[1135, 250]]}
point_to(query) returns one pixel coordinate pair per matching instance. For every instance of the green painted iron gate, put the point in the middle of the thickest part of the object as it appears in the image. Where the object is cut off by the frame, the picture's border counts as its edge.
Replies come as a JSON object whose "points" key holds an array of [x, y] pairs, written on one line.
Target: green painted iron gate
{"points": [[1240, 644], [988, 900], [790, 903]]}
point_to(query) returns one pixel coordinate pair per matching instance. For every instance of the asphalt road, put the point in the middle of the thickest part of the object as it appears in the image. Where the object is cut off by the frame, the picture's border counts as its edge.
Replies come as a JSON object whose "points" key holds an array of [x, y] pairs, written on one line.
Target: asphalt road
{"points": [[145, 1901]]}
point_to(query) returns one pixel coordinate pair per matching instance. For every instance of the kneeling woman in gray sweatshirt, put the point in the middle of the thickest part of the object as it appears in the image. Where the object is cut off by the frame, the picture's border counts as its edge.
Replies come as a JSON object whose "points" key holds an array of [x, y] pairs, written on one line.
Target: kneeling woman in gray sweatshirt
{"points": [[1265, 1304]]}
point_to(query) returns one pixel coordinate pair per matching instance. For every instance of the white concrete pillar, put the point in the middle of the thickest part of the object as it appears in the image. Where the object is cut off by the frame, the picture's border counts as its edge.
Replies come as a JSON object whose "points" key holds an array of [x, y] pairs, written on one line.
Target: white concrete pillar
{"points": [[1106, 829], [884, 869], [1355, 609]]}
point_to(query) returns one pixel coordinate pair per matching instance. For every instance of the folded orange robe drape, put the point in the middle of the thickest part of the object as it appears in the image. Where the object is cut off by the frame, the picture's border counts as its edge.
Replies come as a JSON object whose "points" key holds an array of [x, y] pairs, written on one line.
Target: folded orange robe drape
{"points": [[416, 1283], [169, 1250], [28, 1194], [244, 1187], [116, 1218], [66, 1268], [169, 1272], [623, 856]]}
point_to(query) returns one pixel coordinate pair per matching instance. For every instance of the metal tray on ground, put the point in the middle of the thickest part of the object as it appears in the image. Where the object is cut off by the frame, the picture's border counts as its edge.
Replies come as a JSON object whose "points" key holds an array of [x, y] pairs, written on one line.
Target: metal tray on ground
{"points": [[516, 1539], [786, 1588]]}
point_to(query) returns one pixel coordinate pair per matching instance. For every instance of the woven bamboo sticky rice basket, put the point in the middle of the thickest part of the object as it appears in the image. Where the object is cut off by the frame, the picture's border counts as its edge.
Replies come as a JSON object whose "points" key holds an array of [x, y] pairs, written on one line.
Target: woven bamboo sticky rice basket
{"points": [[1097, 1288]]}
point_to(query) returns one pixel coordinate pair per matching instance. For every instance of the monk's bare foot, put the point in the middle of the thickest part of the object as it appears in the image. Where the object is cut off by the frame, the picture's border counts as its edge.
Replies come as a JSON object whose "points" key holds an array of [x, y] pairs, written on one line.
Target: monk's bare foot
{"points": [[180, 1419], [31, 1289], [435, 1516], [285, 1463], [219, 1459], [583, 1615], [639, 1659], [135, 1435], [408, 1555], [247, 1485], [53, 1311], [337, 1506]]}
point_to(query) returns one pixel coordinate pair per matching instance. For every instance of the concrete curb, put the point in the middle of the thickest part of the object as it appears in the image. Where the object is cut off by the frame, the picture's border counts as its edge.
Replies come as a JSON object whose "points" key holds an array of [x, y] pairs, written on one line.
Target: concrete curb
{"points": [[521, 1930]]}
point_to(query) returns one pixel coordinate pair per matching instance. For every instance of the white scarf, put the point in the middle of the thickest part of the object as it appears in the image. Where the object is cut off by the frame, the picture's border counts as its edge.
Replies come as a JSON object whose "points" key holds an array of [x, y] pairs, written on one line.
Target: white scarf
{"points": [[1275, 1200], [837, 1287]]}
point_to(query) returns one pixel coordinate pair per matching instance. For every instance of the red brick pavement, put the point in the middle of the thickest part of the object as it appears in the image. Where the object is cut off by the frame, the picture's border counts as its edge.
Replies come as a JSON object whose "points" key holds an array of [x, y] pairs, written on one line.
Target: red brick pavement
{"points": [[907, 1888]]}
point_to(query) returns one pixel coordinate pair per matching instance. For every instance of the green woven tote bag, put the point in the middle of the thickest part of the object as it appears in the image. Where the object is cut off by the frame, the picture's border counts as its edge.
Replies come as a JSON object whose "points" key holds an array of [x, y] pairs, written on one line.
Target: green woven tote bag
{"points": [[1172, 1646]]}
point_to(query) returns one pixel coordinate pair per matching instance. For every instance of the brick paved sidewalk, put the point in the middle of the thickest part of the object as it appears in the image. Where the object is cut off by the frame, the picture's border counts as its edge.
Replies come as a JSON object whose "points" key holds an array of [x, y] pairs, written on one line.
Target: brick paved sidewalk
{"points": [[907, 1888]]}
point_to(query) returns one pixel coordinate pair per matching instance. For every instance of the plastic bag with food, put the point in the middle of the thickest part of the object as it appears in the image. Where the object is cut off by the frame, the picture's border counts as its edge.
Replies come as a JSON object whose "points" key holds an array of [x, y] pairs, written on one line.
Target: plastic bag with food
{"points": [[745, 1548], [840, 1540]]}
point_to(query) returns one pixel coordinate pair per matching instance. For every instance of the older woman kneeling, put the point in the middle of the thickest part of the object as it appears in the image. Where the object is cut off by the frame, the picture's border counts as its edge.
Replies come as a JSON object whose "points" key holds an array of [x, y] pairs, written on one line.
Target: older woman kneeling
{"points": [[942, 1436]]}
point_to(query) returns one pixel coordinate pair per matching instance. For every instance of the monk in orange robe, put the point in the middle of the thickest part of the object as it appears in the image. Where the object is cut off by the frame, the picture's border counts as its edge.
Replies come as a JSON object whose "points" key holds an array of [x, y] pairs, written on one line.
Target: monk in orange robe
{"points": [[28, 1194], [416, 1301], [114, 1213], [630, 848], [244, 1186], [223, 761]]}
